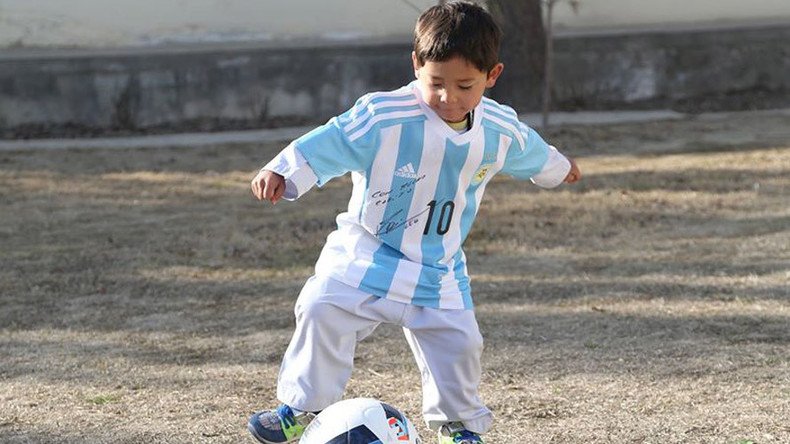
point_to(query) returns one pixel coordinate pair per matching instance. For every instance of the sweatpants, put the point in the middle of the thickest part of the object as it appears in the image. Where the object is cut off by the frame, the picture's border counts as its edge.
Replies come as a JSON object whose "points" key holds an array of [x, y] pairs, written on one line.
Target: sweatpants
{"points": [[331, 317]]}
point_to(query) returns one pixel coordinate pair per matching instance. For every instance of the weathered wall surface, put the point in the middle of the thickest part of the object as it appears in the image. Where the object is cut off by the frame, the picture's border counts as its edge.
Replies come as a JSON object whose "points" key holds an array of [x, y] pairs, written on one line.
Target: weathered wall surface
{"points": [[668, 69], [250, 86], [102, 23], [190, 89]]}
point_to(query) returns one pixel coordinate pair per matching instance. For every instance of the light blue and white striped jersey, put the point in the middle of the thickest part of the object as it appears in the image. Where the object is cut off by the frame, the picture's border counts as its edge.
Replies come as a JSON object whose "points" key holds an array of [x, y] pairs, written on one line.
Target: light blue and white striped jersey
{"points": [[417, 187]]}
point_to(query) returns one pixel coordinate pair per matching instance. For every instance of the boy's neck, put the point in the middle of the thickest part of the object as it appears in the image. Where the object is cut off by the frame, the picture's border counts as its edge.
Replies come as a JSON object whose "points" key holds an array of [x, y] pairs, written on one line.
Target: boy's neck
{"points": [[463, 125]]}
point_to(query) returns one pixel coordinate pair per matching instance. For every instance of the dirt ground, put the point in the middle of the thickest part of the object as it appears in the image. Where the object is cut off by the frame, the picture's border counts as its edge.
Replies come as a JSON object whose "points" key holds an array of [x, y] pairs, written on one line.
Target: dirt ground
{"points": [[146, 297]]}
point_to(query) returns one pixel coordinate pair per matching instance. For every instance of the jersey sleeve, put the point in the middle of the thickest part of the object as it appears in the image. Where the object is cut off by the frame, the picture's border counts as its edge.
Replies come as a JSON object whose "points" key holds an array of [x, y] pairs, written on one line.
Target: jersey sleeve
{"points": [[299, 176], [329, 151], [337, 147], [536, 160]]}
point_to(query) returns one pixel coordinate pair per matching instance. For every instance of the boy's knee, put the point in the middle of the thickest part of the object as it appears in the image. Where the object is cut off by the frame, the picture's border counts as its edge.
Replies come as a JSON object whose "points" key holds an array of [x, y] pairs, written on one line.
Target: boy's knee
{"points": [[311, 300], [315, 310], [470, 344], [474, 343]]}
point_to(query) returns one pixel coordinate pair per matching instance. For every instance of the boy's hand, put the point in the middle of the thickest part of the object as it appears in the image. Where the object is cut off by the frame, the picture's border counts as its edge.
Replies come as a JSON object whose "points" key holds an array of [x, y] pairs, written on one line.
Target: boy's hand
{"points": [[574, 174], [268, 185]]}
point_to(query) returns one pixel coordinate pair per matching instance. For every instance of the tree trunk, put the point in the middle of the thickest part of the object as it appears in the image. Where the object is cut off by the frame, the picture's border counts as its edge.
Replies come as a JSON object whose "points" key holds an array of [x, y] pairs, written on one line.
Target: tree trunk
{"points": [[523, 53], [548, 72]]}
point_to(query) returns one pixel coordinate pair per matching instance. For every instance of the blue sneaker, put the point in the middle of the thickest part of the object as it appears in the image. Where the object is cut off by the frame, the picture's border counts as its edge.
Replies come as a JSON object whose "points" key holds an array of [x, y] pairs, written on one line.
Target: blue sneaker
{"points": [[455, 433], [279, 425]]}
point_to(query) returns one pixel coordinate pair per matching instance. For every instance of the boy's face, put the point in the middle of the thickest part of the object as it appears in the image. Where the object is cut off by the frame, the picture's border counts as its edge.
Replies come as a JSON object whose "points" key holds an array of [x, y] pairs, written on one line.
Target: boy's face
{"points": [[454, 87]]}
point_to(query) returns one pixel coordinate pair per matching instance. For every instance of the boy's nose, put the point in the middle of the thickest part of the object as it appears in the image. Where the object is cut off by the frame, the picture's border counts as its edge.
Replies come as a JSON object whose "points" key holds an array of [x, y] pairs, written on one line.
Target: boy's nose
{"points": [[447, 98]]}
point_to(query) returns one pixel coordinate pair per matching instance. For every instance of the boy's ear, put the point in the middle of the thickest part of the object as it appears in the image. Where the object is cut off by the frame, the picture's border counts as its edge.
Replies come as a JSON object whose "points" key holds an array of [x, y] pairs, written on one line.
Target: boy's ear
{"points": [[416, 64], [494, 74]]}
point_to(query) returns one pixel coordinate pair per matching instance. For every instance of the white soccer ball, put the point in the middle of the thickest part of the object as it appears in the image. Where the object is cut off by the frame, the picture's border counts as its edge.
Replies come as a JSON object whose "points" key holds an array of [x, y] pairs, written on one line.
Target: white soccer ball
{"points": [[360, 421]]}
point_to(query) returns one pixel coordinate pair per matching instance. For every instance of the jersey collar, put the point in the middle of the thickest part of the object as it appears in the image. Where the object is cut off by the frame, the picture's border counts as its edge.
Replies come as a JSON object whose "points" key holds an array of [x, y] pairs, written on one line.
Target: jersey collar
{"points": [[442, 127]]}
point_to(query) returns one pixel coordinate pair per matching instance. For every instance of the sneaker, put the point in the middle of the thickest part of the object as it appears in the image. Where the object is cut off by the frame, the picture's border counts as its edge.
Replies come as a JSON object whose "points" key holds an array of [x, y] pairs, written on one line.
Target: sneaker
{"points": [[455, 433], [279, 425]]}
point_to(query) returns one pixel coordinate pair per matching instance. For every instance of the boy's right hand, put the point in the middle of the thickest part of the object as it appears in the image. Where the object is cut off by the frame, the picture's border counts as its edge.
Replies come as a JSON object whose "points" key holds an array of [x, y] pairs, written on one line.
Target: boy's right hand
{"points": [[268, 185]]}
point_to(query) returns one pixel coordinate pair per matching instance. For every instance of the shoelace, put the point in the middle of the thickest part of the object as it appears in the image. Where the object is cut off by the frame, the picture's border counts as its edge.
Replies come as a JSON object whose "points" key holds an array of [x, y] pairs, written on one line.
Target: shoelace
{"points": [[466, 435], [287, 415]]}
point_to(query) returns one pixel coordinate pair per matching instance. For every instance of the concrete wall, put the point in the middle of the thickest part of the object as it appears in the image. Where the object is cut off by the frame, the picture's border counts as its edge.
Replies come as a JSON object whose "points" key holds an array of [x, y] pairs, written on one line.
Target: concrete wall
{"points": [[248, 86], [196, 88], [607, 14], [102, 23], [737, 68]]}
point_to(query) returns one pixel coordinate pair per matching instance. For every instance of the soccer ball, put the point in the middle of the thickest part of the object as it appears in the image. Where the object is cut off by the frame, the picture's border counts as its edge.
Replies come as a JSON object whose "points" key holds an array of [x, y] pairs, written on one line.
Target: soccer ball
{"points": [[360, 421]]}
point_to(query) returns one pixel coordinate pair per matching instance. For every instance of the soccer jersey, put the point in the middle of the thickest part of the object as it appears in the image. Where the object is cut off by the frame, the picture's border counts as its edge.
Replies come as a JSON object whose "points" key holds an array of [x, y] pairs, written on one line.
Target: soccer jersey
{"points": [[417, 187]]}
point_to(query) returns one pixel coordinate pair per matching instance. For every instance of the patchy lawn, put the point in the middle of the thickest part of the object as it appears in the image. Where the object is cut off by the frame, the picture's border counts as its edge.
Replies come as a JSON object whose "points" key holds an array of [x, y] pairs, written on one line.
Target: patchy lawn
{"points": [[146, 297]]}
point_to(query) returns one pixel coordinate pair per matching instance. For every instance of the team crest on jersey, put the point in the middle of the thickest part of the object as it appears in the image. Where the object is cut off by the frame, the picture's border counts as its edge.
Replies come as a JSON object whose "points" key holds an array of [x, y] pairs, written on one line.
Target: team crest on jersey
{"points": [[481, 173]]}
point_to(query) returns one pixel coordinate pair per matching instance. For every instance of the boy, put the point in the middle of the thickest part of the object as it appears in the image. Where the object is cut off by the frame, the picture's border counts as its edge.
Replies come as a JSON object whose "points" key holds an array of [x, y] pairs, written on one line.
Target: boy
{"points": [[420, 158]]}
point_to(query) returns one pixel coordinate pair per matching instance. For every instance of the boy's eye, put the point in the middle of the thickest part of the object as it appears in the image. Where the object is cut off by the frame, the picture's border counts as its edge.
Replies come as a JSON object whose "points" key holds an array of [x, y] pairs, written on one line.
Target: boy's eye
{"points": [[466, 87], [436, 85]]}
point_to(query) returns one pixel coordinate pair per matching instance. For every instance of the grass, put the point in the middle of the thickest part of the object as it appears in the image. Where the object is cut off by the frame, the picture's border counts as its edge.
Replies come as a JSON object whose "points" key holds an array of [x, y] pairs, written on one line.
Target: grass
{"points": [[147, 298], [104, 399]]}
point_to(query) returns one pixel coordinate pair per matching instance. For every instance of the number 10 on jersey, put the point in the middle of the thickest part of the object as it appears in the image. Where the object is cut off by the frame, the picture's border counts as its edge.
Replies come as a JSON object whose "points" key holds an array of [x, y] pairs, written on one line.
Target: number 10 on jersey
{"points": [[443, 220]]}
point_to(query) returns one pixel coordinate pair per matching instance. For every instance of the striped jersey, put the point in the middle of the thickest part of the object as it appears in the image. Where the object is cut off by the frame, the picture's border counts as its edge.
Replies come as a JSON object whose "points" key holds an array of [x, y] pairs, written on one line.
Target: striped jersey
{"points": [[417, 187]]}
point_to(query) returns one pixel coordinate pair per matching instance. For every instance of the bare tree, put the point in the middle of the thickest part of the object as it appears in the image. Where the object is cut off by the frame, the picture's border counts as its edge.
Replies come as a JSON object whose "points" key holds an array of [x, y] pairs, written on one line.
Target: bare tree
{"points": [[548, 74], [523, 52]]}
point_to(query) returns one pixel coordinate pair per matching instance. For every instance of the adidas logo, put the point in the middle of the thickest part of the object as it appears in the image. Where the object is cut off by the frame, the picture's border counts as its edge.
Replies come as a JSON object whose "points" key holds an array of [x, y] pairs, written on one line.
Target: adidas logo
{"points": [[406, 171]]}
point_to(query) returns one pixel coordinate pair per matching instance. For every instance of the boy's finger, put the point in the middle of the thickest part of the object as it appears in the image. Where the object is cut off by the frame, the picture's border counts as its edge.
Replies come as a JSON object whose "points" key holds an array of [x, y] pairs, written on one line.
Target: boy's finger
{"points": [[278, 192], [268, 191], [259, 186], [255, 189]]}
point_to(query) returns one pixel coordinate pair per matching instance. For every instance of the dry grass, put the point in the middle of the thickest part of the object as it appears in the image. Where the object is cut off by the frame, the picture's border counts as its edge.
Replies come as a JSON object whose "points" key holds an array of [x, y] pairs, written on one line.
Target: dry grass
{"points": [[147, 298]]}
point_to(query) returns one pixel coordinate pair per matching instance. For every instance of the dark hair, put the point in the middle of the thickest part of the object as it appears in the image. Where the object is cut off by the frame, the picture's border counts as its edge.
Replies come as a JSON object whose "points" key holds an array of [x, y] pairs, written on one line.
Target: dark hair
{"points": [[457, 29]]}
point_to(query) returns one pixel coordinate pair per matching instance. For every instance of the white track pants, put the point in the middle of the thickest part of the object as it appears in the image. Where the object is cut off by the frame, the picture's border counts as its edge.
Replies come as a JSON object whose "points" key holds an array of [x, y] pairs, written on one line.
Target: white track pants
{"points": [[331, 317]]}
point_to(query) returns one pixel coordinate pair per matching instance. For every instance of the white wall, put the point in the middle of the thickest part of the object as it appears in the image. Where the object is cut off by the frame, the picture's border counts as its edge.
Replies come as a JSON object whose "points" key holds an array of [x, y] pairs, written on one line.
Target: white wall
{"points": [[146, 22], [141, 22], [653, 13]]}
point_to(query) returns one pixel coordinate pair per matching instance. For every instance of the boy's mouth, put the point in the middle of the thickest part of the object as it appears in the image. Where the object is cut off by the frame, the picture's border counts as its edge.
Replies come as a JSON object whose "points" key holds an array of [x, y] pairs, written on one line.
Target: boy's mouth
{"points": [[452, 116]]}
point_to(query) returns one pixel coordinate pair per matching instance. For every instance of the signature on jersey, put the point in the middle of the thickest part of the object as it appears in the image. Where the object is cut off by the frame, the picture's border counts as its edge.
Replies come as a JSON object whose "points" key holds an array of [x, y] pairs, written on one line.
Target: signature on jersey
{"points": [[396, 221], [383, 197]]}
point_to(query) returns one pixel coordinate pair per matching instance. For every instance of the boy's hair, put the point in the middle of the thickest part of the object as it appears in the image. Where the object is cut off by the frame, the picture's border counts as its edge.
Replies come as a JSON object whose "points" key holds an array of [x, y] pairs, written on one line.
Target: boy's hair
{"points": [[457, 29]]}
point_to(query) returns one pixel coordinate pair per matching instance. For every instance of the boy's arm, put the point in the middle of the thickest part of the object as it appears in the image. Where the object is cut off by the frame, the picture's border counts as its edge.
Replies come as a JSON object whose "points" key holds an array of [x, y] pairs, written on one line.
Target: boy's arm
{"points": [[574, 174], [554, 171], [540, 162], [329, 151], [268, 185], [287, 176]]}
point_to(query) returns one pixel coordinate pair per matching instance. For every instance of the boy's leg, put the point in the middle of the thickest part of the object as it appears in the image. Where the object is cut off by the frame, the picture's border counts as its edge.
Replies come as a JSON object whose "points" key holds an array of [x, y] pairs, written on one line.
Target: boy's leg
{"points": [[447, 346], [331, 317]]}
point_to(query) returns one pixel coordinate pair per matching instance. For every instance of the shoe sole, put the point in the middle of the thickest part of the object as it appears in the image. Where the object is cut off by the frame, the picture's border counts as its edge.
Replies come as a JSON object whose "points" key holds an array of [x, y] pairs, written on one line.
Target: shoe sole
{"points": [[261, 439]]}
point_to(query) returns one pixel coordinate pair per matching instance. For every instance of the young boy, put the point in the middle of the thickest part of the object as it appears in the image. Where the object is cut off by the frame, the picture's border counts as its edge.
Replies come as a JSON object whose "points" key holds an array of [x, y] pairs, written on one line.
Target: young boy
{"points": [[420, 158]]}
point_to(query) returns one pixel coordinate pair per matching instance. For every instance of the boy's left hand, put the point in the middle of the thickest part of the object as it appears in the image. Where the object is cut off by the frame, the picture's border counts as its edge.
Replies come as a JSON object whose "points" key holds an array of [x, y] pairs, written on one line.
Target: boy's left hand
{"points": [[574, 174]]}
